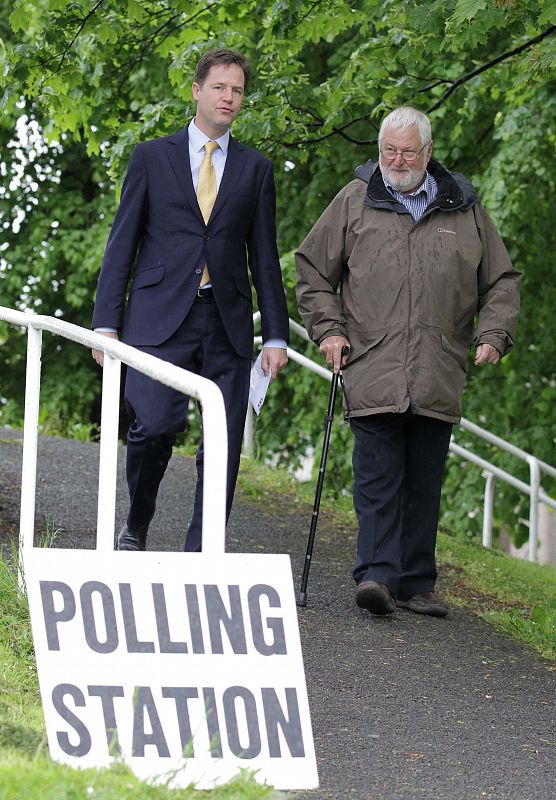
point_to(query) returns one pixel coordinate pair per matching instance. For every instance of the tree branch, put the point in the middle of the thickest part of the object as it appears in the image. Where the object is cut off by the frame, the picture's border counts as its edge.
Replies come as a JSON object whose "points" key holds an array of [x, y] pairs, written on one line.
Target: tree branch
{"points": [[484, 67], [84, 21], [451, 89], [147, 42], [340, 131], [308, 13]]}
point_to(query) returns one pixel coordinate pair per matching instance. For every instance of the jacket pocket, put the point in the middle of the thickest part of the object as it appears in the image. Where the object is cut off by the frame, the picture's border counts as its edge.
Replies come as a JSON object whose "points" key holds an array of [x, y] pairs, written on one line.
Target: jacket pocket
{"points": [[360, 349], [148, 277], [242, 284], [457, 347]]}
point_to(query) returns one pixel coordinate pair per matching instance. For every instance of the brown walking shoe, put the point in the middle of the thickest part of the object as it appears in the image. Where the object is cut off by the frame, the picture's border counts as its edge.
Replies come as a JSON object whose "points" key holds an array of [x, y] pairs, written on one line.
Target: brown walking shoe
{"points": [[425, 603], [375, 597]]}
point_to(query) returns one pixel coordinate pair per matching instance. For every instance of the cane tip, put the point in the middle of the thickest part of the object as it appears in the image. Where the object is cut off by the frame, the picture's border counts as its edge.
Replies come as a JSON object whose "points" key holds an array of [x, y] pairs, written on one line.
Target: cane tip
{"points": [[302, 599]]}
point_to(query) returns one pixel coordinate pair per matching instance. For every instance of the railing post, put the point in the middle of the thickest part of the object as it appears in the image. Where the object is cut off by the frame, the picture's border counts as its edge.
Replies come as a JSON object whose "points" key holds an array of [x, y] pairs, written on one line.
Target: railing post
{"points": [[215, 439], [108, 460], [30, 438], [535, 482], [488, 509], [248, 432]]}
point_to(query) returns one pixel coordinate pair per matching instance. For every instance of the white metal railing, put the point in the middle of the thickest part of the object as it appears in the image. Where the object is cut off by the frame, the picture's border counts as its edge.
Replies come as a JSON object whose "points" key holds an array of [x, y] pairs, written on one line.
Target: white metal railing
{"points": [[214, 431], [491, 471], [116, 353]]}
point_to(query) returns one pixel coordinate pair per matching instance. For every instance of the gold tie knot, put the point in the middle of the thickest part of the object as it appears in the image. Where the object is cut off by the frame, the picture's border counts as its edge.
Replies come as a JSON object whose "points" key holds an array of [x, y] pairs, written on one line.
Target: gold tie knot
{"points": [[210, 147]]}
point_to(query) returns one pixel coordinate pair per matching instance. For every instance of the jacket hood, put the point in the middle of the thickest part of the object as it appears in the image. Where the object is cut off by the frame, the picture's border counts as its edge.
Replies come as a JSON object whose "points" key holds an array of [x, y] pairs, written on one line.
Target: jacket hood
{"points": [[455, 191]]}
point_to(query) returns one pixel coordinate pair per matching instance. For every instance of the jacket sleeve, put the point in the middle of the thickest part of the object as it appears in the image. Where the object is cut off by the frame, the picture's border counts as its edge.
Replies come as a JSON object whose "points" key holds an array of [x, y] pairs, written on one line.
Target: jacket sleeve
{"points": [[320, 263], [498, 287], [121, 248]]}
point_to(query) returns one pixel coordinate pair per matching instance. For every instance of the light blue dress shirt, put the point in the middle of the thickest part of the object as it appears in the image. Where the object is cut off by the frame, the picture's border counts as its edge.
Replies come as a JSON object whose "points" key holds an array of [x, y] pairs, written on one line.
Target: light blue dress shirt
{"points": [[197, 142], [416, 202]]}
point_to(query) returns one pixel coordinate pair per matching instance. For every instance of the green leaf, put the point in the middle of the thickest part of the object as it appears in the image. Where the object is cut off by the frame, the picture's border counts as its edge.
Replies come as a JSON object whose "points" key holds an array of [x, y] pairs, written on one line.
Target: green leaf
{"points": [[134, 9], [106, 33], [466, 10], [548, 15], [19, 18]]}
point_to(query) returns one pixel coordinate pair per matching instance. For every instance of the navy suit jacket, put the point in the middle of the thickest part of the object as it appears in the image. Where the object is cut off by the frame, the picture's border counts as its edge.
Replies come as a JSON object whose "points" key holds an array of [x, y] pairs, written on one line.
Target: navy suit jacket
{"points": [[159, 243]]}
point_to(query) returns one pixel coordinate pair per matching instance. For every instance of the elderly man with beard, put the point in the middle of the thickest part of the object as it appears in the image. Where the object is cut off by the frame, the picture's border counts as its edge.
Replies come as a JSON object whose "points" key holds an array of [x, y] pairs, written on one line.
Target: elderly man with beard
{"points": [[406, 269]]}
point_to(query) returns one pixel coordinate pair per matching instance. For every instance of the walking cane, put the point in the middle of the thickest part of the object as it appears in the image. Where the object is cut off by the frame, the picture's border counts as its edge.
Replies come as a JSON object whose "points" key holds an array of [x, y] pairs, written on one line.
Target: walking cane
{"points": [[302, 599]]}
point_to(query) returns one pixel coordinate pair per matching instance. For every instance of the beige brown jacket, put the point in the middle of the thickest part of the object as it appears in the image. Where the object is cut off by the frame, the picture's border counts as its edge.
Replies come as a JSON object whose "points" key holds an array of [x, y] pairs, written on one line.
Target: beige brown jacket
{"points": [[406, 294]]}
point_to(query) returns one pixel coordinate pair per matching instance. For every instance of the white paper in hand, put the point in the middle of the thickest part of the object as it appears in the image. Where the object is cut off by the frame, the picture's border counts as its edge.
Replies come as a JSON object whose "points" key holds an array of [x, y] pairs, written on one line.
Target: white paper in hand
{"points": [[258, 384]]}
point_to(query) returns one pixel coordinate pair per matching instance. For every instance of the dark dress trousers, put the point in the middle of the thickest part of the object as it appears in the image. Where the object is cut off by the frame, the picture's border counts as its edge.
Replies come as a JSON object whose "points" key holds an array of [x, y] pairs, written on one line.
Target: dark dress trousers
{"points": [[398, 463], [148, 286]]}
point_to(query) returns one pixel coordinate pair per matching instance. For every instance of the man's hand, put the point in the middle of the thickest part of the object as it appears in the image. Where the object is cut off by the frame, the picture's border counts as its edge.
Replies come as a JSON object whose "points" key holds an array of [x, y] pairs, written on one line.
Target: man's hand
{"points": [[274, 359], [98, 355], [486, 354], [331, 349]]}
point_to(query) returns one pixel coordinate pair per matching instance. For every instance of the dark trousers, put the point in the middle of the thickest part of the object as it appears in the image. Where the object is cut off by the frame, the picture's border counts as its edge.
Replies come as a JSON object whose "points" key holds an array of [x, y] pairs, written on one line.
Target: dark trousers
{"points": [[199, 345], [398, 463]]}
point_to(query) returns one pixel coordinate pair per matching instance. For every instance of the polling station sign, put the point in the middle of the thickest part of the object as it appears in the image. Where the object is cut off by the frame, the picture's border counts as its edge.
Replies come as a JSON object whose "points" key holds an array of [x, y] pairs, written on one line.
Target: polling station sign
{"points": [[178, 664]]}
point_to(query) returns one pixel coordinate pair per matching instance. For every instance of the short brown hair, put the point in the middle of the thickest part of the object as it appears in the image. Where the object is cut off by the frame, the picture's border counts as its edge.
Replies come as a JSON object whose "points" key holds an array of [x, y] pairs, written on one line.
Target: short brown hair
{"points": [[220, 56]]}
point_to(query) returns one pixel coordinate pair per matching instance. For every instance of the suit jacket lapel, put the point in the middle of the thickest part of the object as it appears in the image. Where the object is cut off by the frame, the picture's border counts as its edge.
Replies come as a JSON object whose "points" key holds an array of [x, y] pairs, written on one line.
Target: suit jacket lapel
{"points": [[232, 171], [177, 150]]}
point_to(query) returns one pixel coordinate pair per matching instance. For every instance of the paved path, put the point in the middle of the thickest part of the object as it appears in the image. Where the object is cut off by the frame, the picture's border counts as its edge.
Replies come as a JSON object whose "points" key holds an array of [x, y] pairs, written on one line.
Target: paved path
{"points": [[403, 708]]}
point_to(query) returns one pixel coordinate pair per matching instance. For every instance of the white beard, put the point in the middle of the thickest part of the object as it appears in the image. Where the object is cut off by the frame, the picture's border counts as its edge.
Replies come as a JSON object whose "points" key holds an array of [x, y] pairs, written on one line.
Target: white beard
{"points": [[407, 180]]}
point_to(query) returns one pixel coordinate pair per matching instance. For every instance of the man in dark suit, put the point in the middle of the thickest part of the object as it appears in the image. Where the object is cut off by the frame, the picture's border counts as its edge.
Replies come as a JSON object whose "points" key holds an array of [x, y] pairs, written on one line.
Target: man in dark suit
{"points": [[195, 208]]}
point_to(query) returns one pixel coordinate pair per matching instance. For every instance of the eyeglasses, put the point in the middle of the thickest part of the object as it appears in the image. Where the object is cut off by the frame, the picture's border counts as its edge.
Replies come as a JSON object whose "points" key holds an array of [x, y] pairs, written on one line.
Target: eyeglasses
{"points": [[390, 153]]}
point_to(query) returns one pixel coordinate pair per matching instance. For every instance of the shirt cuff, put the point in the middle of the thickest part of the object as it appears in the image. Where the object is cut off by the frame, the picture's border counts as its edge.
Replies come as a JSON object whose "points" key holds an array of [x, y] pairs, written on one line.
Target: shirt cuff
{"points": [[276, 343], [105, 330]]}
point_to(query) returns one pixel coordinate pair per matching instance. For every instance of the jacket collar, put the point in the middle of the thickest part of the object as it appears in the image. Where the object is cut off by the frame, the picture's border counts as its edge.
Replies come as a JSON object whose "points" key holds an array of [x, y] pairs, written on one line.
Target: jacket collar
{"points": [[455, 192], [177, 150]]}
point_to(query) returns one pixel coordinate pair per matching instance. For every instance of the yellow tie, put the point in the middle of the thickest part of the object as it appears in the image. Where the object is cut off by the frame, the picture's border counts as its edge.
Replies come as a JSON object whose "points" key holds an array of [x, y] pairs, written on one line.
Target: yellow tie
{"points": [[206, 191]]}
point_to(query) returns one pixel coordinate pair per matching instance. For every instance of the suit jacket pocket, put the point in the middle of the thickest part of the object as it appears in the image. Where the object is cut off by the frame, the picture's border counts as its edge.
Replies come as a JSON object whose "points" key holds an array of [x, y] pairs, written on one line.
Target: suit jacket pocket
{"points": [[242, 285], [457, 347], [148, 277]]}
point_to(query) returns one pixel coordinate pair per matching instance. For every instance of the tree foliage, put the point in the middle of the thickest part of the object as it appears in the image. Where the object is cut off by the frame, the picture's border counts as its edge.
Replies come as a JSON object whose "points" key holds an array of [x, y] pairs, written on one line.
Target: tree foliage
{"points": [[96, 76]]}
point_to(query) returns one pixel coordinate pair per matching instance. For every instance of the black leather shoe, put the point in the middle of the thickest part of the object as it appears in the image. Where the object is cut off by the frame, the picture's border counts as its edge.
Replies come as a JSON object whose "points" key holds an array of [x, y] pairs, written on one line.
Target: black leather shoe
{"points": [[375, 597], [425, 603], [131, 540]]}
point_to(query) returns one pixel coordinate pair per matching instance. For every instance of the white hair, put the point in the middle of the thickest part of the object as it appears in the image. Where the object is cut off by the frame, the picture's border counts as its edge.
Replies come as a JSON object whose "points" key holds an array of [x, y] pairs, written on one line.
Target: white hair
{"points": [[405, 117]]}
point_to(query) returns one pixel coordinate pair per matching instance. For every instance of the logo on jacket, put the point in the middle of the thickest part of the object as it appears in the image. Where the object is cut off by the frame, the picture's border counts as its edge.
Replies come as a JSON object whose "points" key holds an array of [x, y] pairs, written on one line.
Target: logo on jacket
{"points": [[445, 230]]}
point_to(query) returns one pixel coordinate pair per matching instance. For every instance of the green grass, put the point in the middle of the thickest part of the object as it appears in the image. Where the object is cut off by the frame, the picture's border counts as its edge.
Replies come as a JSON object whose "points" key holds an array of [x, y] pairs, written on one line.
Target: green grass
{"points": [[21, 724], [517, 597], [42, 779], [26, 770]]}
